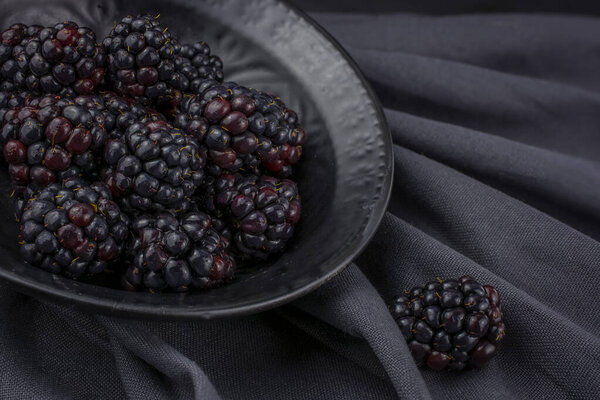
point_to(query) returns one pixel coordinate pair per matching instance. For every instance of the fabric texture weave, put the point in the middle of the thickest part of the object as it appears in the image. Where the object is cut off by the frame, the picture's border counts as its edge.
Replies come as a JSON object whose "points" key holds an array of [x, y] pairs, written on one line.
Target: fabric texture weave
{"points": [[496, 126]]}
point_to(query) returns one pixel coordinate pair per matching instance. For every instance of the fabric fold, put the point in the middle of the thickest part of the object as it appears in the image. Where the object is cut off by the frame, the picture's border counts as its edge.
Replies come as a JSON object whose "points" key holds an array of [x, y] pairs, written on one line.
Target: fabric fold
{"points": [[496, 127]]}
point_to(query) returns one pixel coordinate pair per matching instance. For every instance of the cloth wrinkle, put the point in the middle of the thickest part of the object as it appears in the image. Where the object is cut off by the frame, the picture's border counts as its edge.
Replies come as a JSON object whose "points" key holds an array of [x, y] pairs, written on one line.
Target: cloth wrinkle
{"points": [[495, 121]]}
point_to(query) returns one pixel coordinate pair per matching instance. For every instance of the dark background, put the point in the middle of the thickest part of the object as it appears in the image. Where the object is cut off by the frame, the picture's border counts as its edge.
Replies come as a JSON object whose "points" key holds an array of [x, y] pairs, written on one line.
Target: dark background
{"points": [[450, 6]]}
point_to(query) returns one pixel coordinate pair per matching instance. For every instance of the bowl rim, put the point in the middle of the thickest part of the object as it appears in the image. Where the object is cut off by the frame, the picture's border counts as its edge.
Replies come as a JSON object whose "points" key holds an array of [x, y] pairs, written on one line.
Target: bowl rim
{"points": [[342, 259]]}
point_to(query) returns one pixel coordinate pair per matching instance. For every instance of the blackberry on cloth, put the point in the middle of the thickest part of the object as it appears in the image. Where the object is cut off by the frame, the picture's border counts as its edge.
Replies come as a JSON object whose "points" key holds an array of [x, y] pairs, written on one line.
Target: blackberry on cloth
{"points": [[73, 228], [450, 324], [177, 253]]}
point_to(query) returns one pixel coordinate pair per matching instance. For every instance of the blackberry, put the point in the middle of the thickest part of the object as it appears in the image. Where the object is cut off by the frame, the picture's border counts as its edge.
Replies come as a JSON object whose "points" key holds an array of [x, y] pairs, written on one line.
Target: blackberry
{"points": [[13, 63], [264, 210], [64, 59], [141, 56], [73, 228], [10, 100], [122, 112], [243, 128], [193, 64], [50, 134], [177, 253], [154, 167], [450, 324]]}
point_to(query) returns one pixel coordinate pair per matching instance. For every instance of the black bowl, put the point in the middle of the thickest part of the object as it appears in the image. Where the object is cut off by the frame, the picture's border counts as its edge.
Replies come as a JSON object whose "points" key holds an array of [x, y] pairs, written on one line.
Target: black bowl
{"points": [[345, 175]]}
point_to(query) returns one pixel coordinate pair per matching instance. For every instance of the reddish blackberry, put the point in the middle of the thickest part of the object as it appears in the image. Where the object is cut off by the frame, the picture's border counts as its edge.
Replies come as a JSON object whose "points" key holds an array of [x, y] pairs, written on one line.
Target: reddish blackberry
{"points": [[14, 66], [141, 56], [242, 128], [154, 167], [63, 60], [264, 210], [50, 134], [73, 228], [177, 253], [450, 324]]}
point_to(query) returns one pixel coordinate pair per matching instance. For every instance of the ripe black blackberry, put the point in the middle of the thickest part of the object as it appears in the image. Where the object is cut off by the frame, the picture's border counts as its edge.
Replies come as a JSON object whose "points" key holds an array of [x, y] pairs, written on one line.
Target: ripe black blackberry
{"points": [[64, 59], [141, 56], [50, 134], [263, 210], [154, 167], [122, 112], [177, 253], [10, 100], [73, 228], [243, 128], [193, 64], [450, 324]]}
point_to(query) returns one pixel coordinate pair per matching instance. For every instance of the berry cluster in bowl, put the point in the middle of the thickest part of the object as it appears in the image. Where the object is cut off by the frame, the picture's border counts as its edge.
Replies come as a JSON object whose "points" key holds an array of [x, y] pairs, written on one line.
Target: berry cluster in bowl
{"points": [[131, 155]]}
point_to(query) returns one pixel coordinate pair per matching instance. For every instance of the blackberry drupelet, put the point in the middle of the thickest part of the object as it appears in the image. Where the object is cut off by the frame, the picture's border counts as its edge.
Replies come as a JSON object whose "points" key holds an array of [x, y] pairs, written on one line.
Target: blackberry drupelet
{"points": [[141, 56], [450, 324], [154, 167], [177, 253], [244, 129], [50, 134], [73, 228], [264, 211], [64, 59]]}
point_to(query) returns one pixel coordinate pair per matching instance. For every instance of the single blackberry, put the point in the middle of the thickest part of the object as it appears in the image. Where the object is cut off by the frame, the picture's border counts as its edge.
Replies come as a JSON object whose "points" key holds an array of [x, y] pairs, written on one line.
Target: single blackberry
{"points": [[450, 324], [122, 112], [264, 210], [244, 129], [14, 66], [64, 60], [193, 64], [73, 228], [177, 253], [141, 56], [50, 134], [154, 167], [10, 100]]}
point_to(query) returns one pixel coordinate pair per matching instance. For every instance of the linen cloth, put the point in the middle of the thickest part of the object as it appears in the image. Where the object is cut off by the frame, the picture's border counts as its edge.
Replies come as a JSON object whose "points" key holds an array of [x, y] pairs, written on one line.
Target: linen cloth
{"points": [[495, 119]]}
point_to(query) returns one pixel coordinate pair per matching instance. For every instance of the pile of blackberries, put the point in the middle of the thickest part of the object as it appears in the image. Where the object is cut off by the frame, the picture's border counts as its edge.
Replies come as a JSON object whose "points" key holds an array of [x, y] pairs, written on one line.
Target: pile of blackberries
{"points": [[131, 156]]}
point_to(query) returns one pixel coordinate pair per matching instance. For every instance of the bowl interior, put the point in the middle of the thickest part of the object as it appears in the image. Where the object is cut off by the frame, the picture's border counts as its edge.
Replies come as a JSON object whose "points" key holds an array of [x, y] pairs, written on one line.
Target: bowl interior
{"points": [[344, 176]]}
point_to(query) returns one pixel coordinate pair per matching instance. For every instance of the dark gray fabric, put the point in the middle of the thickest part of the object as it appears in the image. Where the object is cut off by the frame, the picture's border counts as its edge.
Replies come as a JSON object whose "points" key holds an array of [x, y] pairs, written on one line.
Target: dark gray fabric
{"points": [[496, 126]]}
